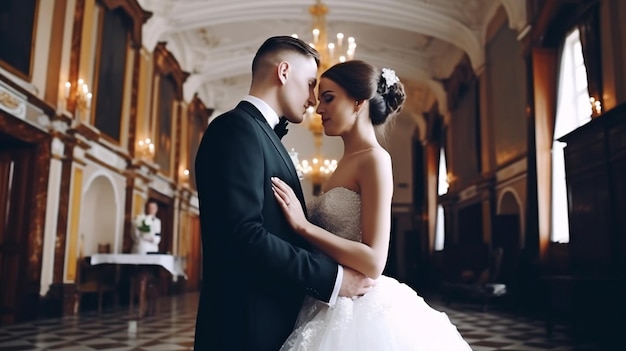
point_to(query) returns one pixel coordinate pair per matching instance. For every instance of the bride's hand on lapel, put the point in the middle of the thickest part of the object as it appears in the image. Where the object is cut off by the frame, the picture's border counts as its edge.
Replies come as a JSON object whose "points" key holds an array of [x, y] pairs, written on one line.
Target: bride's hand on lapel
{"points": [[289, 203]]}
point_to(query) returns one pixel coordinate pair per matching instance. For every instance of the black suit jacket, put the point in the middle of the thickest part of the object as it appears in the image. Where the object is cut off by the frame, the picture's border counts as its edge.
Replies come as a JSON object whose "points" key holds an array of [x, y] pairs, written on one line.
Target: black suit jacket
{"points": [[256, 270]]}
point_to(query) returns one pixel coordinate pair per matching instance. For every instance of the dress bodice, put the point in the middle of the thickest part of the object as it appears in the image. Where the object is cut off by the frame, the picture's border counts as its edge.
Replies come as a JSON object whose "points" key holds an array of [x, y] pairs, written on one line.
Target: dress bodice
{"points": [[339, 212], [390, 317]]}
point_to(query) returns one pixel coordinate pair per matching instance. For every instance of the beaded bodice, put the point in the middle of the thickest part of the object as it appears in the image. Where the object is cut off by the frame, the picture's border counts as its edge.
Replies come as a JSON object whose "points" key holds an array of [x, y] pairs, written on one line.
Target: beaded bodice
{"points": [[338, 211]]}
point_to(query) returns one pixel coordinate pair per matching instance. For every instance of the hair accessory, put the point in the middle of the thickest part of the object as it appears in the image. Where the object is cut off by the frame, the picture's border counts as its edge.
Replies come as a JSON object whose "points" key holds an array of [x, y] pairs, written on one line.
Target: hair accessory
{"points": [[390, 77]]}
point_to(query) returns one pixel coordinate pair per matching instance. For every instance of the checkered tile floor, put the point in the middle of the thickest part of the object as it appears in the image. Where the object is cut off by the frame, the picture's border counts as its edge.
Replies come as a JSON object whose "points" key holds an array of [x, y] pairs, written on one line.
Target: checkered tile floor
{"points": [[173, 329], [497, 330]]}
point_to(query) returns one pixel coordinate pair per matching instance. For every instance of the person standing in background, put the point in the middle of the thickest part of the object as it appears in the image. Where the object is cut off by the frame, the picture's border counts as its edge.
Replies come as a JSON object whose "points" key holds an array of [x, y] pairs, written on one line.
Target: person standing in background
{"points": [[147, 233]]}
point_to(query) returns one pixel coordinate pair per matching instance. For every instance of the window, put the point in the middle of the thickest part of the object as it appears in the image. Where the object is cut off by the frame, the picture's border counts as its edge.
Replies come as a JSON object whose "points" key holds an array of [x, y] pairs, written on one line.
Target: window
{"points": [[17, 18], [165, 116], [442, 188], [167, 92], [573, 110], [112, 64]]}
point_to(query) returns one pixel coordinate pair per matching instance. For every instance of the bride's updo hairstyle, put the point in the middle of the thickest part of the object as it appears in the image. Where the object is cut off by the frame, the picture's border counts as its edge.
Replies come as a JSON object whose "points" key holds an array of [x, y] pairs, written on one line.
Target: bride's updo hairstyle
{"points": [[363, 81]]}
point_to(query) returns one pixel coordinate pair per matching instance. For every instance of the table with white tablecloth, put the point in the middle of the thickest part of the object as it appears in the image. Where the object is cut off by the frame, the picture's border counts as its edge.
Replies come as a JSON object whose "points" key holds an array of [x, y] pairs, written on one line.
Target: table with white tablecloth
{"points": [[173, 264], [140, 281]]}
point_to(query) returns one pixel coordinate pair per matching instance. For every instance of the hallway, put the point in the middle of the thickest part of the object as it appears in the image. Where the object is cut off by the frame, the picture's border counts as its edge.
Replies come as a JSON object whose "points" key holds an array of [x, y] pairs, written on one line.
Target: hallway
{"points": [[173, 329]]}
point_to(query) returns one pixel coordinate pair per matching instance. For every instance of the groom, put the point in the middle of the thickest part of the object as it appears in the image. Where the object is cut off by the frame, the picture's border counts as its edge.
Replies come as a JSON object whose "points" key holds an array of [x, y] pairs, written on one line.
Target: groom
{"points": [[256, 270]]}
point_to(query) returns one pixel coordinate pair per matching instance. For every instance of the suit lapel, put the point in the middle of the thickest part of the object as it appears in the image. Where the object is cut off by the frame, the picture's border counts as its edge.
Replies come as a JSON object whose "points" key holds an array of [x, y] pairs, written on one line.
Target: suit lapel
{"points": [[280, 148]]}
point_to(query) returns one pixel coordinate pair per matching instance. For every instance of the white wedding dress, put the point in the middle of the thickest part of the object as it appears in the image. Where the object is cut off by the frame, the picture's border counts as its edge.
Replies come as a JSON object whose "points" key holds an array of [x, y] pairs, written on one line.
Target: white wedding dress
{"points": [[391, 317]]}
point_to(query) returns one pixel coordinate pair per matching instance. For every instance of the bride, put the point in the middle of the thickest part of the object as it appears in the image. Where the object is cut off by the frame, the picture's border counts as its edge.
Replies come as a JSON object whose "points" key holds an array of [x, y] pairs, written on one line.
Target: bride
{"points": [[351, 223]]}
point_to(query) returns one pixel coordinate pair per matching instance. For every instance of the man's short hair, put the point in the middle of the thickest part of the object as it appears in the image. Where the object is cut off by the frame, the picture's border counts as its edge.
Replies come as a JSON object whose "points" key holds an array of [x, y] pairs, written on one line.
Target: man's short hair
{"points": [[284, 43]]}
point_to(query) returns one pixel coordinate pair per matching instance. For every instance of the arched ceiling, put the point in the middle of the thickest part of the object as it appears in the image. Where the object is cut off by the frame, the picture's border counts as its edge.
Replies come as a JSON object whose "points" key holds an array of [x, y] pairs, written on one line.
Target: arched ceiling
{"points": [[215, 40]]}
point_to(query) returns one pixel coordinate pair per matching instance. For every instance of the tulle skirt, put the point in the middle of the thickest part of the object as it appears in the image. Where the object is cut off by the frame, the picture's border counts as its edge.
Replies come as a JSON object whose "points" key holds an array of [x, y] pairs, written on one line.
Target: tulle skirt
{"points": [[391, 317]]}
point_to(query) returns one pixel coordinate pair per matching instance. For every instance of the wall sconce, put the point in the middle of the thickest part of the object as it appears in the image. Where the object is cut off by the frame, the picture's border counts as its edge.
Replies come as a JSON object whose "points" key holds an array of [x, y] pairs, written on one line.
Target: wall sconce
{"points": [[83, 98], [450, 178], [145, 149], [185, 176], [596, 107]]}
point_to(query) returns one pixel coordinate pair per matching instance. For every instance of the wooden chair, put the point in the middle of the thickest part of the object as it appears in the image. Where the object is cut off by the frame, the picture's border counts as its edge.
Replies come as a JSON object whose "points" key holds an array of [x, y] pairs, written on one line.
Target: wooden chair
{"points": [[104, 248], [98, 279]]}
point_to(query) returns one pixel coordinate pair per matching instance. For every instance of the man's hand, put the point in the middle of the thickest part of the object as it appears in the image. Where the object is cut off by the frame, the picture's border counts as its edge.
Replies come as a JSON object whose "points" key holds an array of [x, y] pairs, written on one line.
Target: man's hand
{"points": [[355, 284]]}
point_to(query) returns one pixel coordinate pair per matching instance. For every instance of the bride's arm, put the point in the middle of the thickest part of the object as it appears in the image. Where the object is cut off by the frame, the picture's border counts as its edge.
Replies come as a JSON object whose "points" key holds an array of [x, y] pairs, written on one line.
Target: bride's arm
{"points": [[376, 189]]}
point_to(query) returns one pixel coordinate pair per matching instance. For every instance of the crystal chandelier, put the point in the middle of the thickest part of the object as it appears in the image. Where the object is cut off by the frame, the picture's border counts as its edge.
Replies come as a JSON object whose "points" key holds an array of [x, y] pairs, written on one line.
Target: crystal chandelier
{"points": [[330, 52], [318, 169]]}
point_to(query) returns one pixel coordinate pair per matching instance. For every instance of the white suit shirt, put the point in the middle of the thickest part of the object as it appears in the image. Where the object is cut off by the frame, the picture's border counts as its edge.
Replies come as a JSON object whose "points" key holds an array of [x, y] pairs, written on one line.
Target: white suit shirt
{"points": [[147, 241]]}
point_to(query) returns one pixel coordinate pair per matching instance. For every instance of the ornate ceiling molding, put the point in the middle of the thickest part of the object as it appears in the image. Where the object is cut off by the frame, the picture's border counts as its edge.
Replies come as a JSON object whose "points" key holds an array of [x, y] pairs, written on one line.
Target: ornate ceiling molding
{"points": [[516, 12], [209, 38], [153, 31], [416, 17]]}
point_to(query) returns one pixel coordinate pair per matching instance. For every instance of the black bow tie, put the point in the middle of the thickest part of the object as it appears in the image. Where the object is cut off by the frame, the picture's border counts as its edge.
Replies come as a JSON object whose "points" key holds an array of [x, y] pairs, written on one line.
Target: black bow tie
{"points": [[281, 127]]}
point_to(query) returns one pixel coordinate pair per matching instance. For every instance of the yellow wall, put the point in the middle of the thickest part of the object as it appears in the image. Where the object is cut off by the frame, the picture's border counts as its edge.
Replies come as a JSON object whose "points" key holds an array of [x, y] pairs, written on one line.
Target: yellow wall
{"points": [[72, 239]]}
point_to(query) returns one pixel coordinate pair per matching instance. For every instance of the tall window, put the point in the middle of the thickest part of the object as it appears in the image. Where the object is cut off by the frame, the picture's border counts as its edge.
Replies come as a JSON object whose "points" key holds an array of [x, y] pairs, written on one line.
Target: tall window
{"points": [[167, 97], [442, 188], [17, 18], [112, 64], [573, 110]]}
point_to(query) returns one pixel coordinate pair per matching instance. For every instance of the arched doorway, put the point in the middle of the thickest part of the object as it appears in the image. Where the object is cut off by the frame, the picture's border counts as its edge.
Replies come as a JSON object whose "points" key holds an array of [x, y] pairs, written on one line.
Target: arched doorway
{"points": [[99, 215]]}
